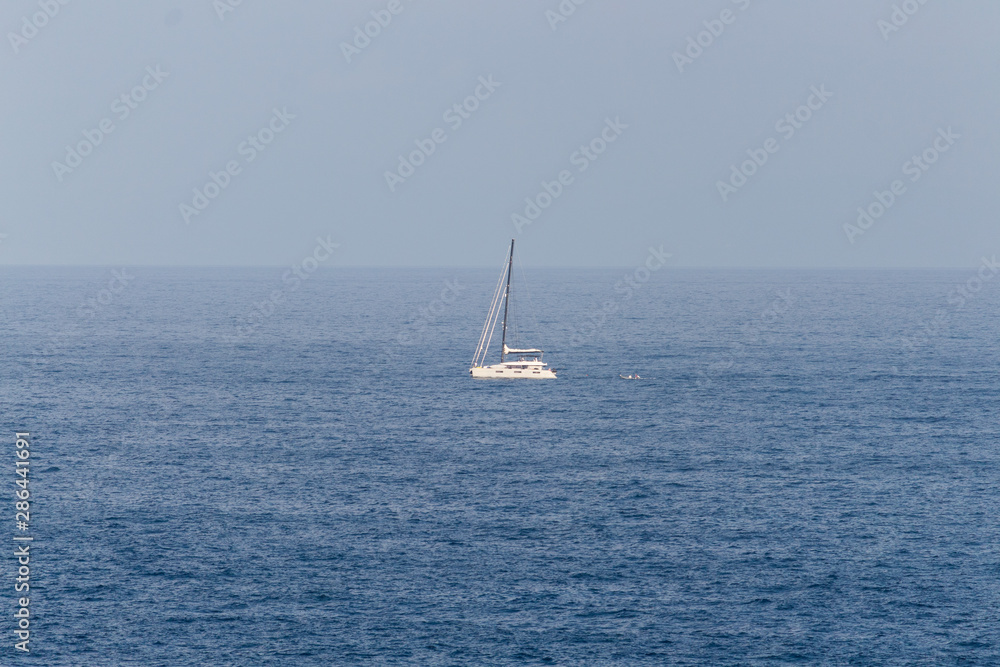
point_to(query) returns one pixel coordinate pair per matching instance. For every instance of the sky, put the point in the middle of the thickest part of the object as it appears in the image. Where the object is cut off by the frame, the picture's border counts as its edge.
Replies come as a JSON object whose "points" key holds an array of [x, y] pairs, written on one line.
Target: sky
{"points": [[406, 133]]}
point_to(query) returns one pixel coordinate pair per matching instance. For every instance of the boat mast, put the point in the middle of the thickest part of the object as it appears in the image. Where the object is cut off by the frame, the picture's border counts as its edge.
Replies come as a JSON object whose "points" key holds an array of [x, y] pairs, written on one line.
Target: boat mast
{"points": [[506, 300]]}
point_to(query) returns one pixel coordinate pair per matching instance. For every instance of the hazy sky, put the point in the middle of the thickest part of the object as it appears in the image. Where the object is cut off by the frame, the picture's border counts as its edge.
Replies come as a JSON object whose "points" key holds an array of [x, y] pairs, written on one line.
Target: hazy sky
{"points": [[115, 113]]}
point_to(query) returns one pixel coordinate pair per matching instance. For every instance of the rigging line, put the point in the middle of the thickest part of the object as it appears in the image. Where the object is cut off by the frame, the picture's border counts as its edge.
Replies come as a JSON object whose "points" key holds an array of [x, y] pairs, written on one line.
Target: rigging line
{"points": [[483, 348], [496, 316], [483, 335], [493, 328], [496, 296], [489, 316], [492, 315]]}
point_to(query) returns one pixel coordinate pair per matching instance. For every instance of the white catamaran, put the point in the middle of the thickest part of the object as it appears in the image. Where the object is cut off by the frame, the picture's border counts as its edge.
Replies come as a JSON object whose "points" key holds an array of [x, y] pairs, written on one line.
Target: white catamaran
{"points": [[513, 363]]}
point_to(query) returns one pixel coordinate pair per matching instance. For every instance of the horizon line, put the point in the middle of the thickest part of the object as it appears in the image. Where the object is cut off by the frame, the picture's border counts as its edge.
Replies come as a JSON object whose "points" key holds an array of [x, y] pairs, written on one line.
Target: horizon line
{"points": [[484, 267]]}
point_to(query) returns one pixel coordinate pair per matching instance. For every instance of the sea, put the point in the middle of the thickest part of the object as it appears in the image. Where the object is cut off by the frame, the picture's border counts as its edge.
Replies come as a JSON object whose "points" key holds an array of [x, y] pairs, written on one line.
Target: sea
{"points": [[230, 466]]}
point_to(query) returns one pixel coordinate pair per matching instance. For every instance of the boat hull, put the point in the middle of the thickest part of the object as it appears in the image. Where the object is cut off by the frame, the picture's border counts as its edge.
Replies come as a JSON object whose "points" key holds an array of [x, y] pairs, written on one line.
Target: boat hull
{"points": [[512, 372]]}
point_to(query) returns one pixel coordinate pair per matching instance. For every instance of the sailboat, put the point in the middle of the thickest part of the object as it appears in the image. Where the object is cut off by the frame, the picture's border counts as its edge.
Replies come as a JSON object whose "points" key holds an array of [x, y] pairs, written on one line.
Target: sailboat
{"points": [[514, 363]]}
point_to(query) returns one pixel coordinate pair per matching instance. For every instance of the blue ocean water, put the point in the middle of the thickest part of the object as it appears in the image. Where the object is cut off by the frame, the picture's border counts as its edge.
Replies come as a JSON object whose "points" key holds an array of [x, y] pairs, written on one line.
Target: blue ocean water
{"points": [[806, 474]]}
